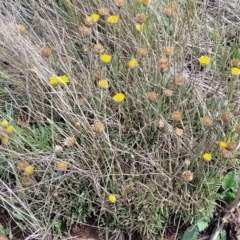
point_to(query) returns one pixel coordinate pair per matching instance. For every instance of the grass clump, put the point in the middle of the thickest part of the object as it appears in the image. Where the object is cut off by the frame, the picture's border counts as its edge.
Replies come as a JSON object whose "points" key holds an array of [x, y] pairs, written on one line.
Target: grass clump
{"points": [[102, 118]]}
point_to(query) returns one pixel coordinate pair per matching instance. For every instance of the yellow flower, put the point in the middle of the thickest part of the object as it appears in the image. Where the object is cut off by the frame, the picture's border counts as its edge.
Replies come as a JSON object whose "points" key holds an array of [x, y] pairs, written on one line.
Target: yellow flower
{"points": [[63, 79], [222, 144], [112, 19], [10, 129], [112, 198], [95, 17], [235, 71], [119, 97], [4, 123], [103, 83], [139, 27], [132, 63], [58, 80], [61, 166], [5, 141], [207, 157], [204, 60], [29, 170], [105, 58]]}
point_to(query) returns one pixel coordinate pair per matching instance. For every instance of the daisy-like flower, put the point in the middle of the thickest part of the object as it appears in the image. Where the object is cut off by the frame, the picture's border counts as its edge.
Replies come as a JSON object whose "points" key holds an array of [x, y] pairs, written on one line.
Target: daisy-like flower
{"points": [[9, 129], [235, 71], [61, 166], [106, 58], [113, 19], [207, 157], [222, 144], [103, 83], [58, 80], [139, 27], [95, 17], [4, 123], [112, 198], [204, 60], [119, 97], [133, 63], [29, 170], [5, 141]]}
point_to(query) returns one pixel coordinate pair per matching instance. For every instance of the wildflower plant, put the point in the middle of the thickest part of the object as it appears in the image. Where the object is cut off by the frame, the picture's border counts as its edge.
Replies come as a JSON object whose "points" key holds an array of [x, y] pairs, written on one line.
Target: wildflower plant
{"points": [[100, 119]]}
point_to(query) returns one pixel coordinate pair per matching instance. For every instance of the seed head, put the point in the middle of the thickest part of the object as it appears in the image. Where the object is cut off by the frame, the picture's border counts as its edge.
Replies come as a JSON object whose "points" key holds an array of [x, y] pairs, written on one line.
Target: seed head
{"points": [[140, 18], [142, 52], [26, 181], [46, 51], [81, 101], [98, 48], [169, 11], [98, 127], [88, 21], [161, 123], [226, 116], [176, 116], [145, 2], [168, 93], [187, 162], [179, 81], [21, 166], [163, 60], [85, 31], [119, 3], [237, 129], [231, 145], [103, 11], [225, 153], [152, 96], [69, 141], [235, 62], [21, 28], [187, 176], [206, 121], [58, 149], [168, 51]]}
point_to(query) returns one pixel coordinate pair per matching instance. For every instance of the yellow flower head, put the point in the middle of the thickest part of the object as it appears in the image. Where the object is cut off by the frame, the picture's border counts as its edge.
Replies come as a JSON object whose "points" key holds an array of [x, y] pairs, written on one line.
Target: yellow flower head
{"points": [[105, 58], [61, 166], [95, 17], [103, 83], [4, 123], [29, 170], [204, 60], [112, 198], [139, 27], [222, 144], [235, 71], [207, 157], [112, 19], [9, 129], [5, 141], [58, 80], [133, 63], [119, 97]]}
